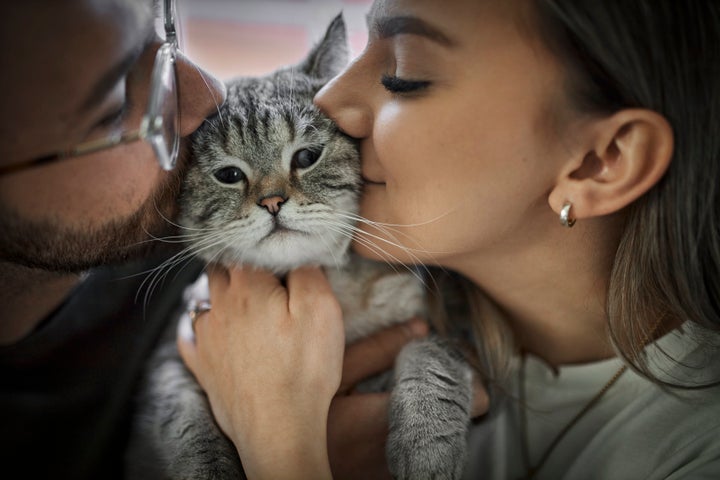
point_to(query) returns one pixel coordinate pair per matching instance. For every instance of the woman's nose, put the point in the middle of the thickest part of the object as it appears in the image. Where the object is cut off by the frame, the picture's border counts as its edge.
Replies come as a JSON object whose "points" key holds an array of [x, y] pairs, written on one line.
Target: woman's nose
{"points": [[201, 94], [345, 99]]}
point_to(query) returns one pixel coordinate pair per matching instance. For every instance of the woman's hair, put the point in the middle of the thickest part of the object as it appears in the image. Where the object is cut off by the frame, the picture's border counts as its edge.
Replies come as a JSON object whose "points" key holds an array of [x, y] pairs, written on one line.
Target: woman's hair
{"points": [[662, 55]]}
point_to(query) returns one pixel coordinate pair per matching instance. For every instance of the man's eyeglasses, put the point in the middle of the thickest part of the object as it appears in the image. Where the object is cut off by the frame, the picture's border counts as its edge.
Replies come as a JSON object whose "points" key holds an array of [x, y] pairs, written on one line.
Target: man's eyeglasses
{"points": [[159, 126]]}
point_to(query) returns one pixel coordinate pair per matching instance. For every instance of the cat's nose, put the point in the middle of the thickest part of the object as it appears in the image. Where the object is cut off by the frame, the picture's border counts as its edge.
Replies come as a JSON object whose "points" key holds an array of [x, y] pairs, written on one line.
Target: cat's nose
{"points": [[272, 203]]}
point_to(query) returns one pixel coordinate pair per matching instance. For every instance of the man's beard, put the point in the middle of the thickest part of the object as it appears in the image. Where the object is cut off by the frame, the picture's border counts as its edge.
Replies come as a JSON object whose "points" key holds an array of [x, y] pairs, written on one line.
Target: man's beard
{"points": [[58, 248]]}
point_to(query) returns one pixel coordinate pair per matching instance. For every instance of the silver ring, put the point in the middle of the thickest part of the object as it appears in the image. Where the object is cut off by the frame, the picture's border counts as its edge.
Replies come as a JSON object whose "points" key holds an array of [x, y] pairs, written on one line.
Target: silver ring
{"points": [[195, 309]]}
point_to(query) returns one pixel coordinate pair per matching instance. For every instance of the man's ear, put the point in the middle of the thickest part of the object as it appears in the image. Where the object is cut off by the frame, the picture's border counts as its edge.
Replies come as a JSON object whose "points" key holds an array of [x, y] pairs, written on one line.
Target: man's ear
{"points": [[624, 156]]}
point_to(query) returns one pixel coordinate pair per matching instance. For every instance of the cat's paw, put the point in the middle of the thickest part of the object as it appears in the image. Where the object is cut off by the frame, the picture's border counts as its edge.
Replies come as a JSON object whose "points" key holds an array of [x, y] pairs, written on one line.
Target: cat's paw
{"points": [[429, 414], [436, 456]]}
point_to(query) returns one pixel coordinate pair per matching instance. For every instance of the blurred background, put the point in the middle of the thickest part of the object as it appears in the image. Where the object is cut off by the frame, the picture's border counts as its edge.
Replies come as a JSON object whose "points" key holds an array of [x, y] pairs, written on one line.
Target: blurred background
{"points": [[253, 37]]}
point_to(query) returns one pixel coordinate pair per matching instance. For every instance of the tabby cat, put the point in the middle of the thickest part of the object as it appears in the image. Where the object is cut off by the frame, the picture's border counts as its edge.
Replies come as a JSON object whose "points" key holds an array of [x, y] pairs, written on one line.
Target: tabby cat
{"points": [[276, 184]]}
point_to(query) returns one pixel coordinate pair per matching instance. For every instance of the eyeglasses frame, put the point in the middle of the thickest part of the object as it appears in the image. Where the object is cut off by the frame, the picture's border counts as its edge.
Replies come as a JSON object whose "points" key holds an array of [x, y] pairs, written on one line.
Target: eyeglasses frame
{"points": [[151, 126]]}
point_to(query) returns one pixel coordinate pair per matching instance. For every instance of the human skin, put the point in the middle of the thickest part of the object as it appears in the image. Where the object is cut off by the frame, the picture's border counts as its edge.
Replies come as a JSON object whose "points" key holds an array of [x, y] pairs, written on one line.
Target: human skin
{"points": [[483, 159], [97, 208], [88, 209], [470, 161]]}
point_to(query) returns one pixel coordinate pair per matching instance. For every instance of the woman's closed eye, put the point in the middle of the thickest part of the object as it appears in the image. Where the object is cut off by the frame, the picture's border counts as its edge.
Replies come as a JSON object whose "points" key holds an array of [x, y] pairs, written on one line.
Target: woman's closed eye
{"points": [[395, 84]]}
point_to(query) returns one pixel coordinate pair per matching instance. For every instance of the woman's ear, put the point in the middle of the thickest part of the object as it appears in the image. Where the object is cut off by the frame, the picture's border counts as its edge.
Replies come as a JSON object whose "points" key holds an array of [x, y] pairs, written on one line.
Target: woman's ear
{"points": [[624, 156]]}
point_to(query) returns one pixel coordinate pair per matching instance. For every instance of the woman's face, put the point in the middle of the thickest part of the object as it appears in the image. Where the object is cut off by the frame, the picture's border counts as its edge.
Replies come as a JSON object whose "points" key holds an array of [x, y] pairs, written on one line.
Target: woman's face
{"points": [[456, 107]]}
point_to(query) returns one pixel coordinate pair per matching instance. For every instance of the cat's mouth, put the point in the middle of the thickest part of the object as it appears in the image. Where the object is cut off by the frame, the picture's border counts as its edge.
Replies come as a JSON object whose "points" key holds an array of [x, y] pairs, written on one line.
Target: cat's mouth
{"points": [[280, 229]]}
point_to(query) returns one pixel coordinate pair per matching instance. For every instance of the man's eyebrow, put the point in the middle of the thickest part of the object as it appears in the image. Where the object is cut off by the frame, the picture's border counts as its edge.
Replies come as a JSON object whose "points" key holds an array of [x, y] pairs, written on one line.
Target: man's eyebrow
{"points": [[112, 76], [387, 27]]}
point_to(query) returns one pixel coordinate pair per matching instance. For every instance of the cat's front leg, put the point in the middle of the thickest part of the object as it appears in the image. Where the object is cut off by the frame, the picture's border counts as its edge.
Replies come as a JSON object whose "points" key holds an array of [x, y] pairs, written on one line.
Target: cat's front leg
{"points": [[175, 436], [429, 412]]}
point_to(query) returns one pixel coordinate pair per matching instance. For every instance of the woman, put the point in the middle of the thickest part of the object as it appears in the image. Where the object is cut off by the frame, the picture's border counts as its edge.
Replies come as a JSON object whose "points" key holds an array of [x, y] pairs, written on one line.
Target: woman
{"points": [[561, 158]]}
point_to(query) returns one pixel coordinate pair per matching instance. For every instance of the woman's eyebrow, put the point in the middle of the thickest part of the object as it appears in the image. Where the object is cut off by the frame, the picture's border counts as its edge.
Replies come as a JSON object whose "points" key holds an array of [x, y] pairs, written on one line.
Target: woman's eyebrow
{"points": [[112, 76], [386, 27]]}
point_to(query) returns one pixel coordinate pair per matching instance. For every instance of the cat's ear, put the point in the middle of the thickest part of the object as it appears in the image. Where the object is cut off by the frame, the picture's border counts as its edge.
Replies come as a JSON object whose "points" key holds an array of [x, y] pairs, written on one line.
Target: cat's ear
{"points": [[330, 55]]}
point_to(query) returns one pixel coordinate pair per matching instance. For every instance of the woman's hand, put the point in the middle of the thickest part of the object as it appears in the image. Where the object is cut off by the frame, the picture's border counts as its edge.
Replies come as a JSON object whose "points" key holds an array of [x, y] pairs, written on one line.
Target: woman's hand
{"points": [[270, 358]]}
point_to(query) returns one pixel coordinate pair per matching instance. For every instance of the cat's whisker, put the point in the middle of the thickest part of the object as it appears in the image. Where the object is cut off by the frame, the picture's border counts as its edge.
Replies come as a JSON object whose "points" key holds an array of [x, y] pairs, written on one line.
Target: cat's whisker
{"points": [[388, 228], [193, 251], [184, 238], [159, 273], [154, 269], [168, 264], [185, 227], [349, 234], [356, 230], [177, 238], [407, 225], [350, 231], [417, 262], [228, 232], [390, 232], [322, 238], [410, 251]]}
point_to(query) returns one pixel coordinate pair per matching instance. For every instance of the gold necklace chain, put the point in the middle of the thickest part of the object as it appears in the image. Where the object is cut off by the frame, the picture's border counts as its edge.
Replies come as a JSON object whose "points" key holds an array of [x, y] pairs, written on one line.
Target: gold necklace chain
{"points": [[533, 470]]}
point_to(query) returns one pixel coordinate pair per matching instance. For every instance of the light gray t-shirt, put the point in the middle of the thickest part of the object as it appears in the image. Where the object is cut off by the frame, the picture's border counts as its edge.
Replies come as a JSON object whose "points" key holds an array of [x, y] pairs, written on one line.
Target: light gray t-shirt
{"points": [[636, 431]]}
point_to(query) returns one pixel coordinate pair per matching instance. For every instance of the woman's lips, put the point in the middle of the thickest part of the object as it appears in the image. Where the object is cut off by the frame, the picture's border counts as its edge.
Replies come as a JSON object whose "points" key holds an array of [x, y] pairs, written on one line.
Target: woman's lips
{"points": [[369, 181]]}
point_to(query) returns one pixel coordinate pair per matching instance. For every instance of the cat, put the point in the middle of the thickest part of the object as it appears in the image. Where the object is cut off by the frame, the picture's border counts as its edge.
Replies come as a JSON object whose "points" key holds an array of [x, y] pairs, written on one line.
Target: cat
{"points": [[276, 184]]}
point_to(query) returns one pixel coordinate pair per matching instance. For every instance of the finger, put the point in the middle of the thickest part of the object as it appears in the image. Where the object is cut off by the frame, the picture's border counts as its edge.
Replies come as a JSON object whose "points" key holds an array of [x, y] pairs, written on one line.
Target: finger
{"points": [[377, 352], [186, 344], [217, 274], [240, 279], [310, 294], [246, 277], [308, 281]]}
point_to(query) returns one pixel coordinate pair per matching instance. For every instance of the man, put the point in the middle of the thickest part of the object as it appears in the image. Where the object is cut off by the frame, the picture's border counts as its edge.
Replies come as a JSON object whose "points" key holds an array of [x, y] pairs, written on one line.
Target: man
{"points": [[80, 197]]}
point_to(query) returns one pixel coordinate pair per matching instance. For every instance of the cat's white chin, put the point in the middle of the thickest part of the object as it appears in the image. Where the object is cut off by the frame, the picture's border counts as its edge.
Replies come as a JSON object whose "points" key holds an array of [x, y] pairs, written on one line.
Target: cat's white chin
{"points": [[286, 250]]}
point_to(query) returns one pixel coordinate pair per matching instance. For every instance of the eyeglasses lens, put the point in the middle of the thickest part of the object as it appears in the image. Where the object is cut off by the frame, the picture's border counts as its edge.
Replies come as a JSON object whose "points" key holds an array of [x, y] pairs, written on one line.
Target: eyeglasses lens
{"points": [[162, 116]]}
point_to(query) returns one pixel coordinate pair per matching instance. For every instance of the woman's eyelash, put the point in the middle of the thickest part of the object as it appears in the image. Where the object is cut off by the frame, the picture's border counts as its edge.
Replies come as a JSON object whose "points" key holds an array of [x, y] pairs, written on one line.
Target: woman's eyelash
{"points": [[396, 84]]}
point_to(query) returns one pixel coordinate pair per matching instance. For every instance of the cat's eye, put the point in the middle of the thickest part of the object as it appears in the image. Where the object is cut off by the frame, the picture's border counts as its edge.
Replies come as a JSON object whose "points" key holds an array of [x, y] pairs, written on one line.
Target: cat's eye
{"points": [[229, 175], [305, 158]]}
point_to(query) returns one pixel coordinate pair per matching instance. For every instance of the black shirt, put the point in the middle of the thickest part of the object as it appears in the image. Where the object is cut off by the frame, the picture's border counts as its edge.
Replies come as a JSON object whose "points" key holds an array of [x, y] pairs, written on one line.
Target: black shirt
{"points": [[66, 390]]}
